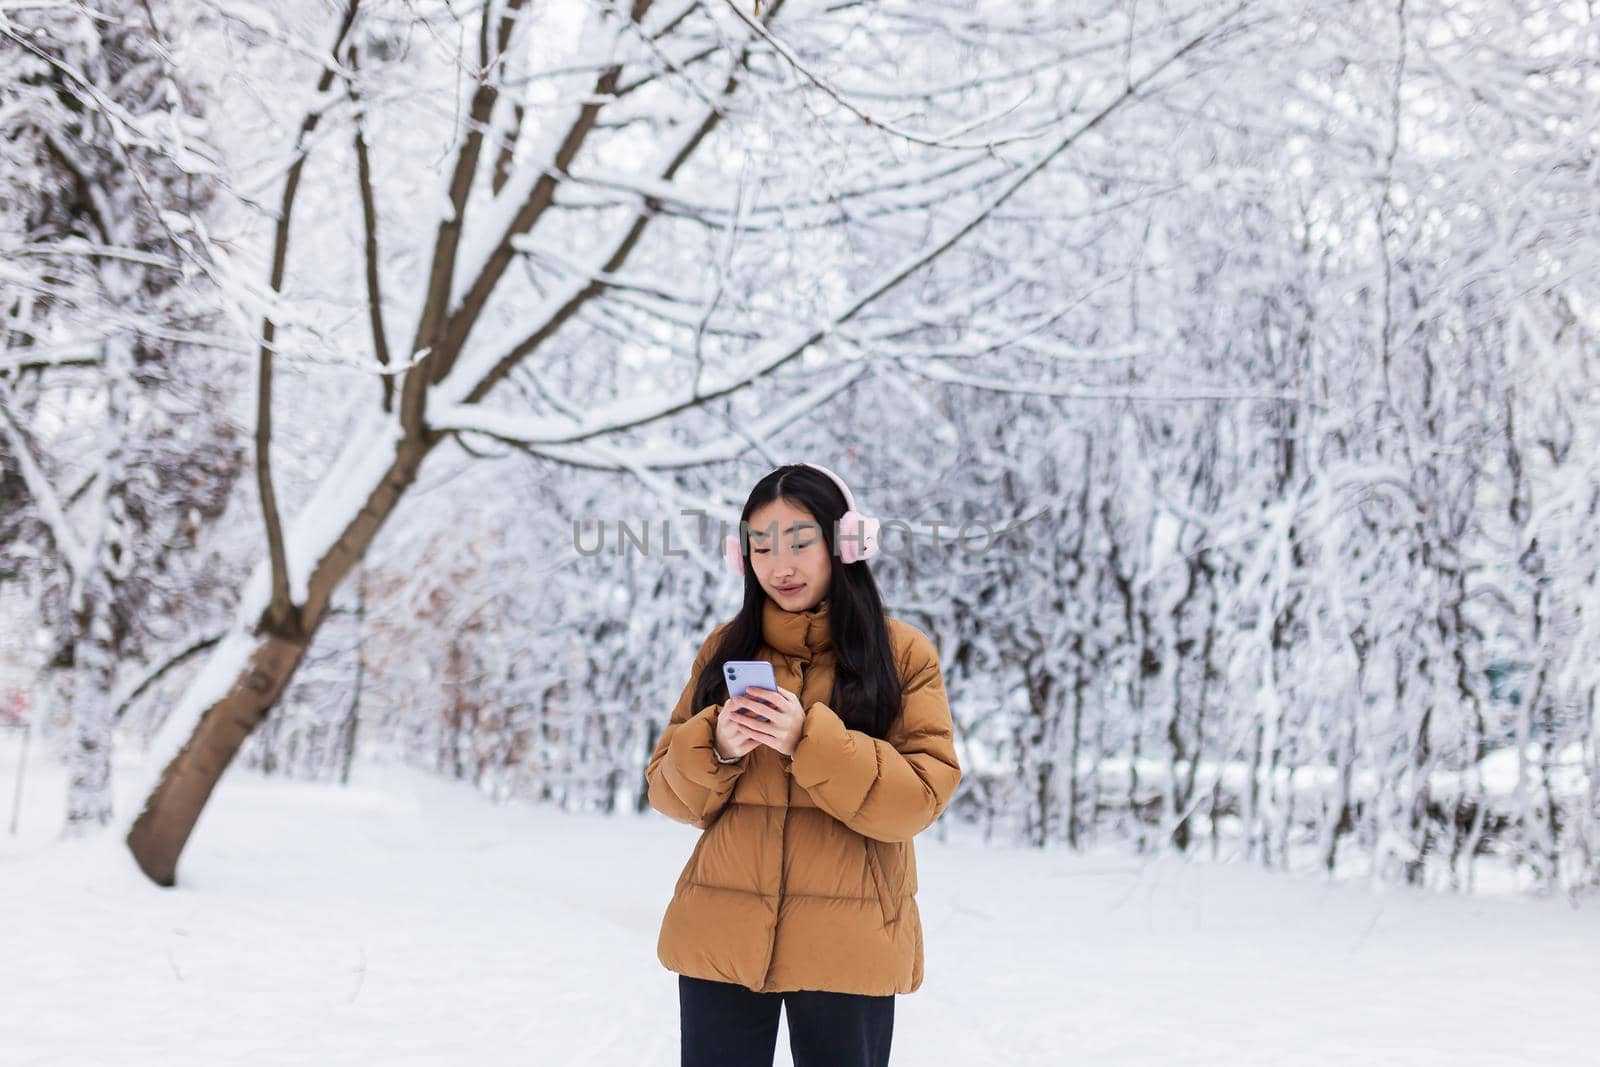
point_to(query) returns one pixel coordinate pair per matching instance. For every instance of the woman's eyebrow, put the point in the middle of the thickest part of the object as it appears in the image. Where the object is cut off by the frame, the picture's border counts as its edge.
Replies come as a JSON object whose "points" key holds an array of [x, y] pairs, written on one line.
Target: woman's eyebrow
{"points": [[754, 533], [796, 524]]}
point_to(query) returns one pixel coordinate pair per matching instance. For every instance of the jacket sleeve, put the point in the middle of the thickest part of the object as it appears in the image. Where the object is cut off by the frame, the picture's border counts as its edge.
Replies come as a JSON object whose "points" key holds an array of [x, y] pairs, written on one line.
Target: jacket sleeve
{"points": [[685, 781], [891, 792]]}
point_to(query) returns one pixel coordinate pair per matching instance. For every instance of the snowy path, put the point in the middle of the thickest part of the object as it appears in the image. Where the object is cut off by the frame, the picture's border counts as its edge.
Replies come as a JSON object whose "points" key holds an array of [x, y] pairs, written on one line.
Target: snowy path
{"points": [[406, 921]]}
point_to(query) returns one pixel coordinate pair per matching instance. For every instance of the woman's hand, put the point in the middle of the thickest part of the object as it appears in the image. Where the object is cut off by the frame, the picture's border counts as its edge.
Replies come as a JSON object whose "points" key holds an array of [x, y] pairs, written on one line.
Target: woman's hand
{"points": [[786, 718], [728, 738]]}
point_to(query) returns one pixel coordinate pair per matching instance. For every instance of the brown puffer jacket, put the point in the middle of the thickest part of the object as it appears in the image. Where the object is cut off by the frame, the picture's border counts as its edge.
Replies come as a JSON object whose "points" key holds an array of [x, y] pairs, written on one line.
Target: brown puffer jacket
{"points": [[805, 874]]}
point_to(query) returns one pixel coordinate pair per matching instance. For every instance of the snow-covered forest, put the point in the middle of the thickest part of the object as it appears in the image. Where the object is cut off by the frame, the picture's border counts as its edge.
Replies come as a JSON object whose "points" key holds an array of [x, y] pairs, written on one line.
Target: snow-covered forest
{"points": [[1224, 375]]}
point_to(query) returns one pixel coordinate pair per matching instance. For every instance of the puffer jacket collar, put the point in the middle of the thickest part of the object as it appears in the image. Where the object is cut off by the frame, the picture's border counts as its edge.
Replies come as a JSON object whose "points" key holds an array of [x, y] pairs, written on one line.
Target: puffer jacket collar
{"points": [[800, 634]]}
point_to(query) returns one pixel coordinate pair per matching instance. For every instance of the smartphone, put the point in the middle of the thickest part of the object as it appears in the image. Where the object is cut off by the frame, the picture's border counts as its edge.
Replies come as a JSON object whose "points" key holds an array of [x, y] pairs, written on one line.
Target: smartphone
{"points": [[741, 674]]}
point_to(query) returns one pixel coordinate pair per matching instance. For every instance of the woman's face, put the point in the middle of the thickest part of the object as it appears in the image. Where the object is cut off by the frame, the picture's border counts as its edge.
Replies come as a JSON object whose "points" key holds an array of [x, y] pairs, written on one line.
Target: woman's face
{"points": [[789, 555]]}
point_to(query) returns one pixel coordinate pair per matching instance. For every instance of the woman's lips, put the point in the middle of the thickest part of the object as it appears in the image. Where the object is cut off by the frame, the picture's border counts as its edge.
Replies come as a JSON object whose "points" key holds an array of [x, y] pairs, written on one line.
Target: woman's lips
{"points": [[791, 588]]}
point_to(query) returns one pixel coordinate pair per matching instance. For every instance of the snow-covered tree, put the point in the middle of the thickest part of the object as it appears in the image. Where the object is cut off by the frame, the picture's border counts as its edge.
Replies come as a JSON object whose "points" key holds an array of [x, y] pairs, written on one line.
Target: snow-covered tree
{"points": [[635, 261], [116, 452]]}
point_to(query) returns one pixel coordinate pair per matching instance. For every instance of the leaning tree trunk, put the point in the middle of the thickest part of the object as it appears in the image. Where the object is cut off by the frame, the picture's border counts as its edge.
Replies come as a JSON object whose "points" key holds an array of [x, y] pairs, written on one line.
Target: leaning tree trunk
{"points": [[158, 835], [285, 630]]}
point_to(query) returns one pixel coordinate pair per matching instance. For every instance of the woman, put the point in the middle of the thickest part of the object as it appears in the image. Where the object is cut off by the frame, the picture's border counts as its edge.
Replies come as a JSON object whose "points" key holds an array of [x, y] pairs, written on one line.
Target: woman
{"points": [[800, 891]]}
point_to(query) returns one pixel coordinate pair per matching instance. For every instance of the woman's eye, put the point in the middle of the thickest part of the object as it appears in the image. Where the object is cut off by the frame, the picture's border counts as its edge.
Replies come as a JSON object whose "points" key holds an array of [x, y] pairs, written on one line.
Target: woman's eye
{"points": [[760, 550]]}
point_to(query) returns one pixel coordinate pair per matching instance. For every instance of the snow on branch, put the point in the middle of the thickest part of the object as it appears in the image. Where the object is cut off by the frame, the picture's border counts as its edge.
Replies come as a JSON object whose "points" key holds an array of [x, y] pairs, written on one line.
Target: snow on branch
{"points": [[554, 436], [76, 553]]}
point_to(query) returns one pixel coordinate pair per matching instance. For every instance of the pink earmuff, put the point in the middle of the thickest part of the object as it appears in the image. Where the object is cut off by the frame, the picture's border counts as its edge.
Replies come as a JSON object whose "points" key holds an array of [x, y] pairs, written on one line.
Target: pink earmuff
{"points": [[857, 539], [858, 536]]}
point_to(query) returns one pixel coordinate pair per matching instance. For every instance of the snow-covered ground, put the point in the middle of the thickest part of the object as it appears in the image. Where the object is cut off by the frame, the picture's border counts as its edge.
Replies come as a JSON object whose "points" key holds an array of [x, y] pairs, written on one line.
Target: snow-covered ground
{"points": [[404, 920]]}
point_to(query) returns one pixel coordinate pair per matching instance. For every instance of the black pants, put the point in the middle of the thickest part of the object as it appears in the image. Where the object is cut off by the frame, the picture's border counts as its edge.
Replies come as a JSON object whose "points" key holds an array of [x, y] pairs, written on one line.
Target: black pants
{"points": [[724, 1024]]}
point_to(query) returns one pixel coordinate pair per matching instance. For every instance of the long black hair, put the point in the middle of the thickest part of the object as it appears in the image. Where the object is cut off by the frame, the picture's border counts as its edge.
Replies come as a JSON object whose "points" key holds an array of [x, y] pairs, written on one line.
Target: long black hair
{"points": [[866, 682]]}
